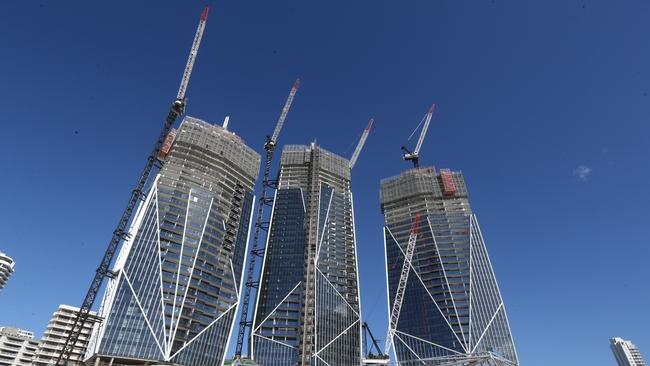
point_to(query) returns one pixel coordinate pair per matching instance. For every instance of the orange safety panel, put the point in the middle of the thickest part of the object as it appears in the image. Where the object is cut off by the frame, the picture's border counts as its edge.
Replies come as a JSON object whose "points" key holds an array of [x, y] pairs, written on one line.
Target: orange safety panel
{"points": [[167, 144], [448, 186]]}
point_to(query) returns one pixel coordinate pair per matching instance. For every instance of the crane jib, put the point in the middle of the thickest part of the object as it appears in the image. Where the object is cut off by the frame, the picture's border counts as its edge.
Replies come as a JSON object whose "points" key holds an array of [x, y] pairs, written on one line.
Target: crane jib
{"points": [[120, 232]]}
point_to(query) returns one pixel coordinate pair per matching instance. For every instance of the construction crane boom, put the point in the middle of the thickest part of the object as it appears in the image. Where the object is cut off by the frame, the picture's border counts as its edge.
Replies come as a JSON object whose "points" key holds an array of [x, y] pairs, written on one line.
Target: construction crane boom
{"points": [[121, 232], [414, 156], [403, 279], [369, 355], [192, 57], [285, 111], [362, 142], [265, 200]]}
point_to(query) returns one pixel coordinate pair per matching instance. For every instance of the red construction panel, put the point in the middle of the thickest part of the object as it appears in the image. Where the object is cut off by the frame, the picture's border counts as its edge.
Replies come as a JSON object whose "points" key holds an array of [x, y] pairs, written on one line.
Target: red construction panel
{"points": [[167, 144], [448, 186]]}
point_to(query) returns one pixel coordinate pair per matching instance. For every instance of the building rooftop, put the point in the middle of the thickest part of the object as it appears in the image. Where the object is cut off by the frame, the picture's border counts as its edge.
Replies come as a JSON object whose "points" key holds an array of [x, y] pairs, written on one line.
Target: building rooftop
{"points": [[221, 141], [17, 332], [329, 161]]}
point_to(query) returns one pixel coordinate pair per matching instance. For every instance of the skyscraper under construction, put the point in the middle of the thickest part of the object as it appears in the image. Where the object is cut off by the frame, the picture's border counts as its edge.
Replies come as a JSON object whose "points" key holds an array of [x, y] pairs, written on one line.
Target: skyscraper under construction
{"points": [[308, 307], [175, 286], [450, 311]]}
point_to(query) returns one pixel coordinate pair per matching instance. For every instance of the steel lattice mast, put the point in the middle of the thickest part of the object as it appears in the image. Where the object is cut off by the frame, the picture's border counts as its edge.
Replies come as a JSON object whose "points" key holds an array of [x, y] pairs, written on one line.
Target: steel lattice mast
{"points": [[415, 155], [403, 279], [265, 200], [362, 141], [121, 232]]}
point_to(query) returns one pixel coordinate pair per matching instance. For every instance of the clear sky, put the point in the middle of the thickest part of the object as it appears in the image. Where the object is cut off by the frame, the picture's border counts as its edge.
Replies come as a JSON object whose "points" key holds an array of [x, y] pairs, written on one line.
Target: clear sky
{"points": [[543, 105]]}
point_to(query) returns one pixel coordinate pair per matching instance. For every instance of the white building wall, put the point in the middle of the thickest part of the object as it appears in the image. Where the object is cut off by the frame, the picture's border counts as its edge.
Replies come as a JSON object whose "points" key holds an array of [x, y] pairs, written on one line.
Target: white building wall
{"points": [[17, 347], [626, 353], [6, 269], [56, 334]]}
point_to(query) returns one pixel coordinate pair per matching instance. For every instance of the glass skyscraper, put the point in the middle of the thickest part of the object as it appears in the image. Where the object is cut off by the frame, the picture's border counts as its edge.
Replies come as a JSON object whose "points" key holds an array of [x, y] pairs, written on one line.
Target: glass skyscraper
{"points": [[308, 308], [175, 287], [452, 311]]}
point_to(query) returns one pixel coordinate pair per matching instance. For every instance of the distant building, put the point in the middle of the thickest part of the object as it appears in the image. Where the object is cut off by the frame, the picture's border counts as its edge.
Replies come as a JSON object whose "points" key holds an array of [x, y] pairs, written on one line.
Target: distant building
{"points": [[17, 347], [451, 308], [6, 269], [56, 334], [625, 352], [175, 293]]}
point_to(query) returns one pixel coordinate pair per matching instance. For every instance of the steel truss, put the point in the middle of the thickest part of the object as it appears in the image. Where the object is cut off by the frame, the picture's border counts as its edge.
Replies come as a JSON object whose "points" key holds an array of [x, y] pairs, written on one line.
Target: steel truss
{"points": [[477, 359]]}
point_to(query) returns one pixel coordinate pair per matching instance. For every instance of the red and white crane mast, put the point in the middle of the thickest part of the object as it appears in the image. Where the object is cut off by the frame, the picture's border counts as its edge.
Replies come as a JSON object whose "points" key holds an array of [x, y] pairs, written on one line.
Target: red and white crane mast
{"points": [[362, 141], [192, 57], [283, 115], [403, 280]]}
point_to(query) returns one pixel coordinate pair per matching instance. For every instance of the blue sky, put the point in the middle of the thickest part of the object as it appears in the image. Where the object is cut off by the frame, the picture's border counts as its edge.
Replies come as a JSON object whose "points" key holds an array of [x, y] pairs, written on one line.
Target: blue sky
{"points": [[543, 105]]}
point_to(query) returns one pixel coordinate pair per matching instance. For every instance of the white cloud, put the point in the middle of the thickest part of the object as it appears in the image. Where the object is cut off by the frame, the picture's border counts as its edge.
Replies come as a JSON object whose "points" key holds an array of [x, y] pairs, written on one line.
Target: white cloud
{"points": [[582, 172]]}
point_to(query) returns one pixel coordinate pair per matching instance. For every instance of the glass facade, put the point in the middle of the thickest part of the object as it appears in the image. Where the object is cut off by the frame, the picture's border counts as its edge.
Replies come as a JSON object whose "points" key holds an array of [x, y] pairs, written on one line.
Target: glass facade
{"points": [[178, 277], [309, 275], [452, 312]]}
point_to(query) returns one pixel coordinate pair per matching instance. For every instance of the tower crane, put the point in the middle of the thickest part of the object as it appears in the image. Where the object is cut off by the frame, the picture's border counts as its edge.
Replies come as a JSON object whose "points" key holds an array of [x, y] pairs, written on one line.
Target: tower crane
{"points": [[414, 156], [362, 141], [403, 279], [373, 359], [271, 141], [121, 232], [265, 200]]}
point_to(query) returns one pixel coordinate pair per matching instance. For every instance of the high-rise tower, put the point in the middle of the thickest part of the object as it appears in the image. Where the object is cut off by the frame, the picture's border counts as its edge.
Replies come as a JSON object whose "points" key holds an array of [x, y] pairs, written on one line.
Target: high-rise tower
{"points": [[6, 269], [176, 282], [626, 353], [55, 335], [451, 309], [17, 347], [308, 308]]}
